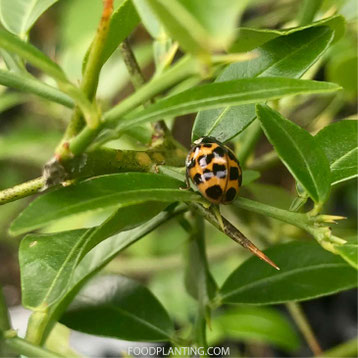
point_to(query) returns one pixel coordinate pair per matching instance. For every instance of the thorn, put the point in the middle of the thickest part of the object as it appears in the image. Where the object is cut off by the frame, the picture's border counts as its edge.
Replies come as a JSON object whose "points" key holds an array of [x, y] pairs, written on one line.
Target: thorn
{"points": [[261, 255]]}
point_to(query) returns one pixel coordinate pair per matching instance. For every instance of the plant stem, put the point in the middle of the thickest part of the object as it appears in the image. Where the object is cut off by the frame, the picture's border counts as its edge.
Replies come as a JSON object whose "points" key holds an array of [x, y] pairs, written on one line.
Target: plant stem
{"points": [[21, 346], [346, 349], [92, 70], [4, 314], [22, 190], [300, 318], [98, 162], [296, 219], [230, 230], [181, 70], [137, 77]]}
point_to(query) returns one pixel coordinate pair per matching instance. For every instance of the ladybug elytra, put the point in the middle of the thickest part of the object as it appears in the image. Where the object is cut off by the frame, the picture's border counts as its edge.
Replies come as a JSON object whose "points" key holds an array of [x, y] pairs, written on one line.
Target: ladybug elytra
{"points": [[214, 169]]}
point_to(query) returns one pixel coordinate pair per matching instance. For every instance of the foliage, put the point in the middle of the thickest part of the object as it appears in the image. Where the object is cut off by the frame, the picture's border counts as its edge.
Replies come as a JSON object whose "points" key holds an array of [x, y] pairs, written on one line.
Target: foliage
{"points": [[116, 176]]}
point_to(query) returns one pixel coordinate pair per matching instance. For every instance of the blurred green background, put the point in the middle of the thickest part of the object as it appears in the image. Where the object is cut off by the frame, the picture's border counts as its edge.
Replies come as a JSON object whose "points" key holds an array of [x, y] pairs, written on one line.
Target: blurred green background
{"points": [[31, 127]]}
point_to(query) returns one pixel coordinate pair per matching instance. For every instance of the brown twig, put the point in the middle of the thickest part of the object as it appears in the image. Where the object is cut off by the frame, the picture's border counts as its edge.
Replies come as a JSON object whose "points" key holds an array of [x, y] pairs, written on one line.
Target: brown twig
{"points": [[137, 78], [235, 234]]}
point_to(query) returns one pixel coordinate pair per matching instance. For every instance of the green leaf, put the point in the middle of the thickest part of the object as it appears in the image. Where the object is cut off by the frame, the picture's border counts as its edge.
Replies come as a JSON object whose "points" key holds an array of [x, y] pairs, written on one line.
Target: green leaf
{"points": [[219, 94], [105, 251], [287, 56], [53, 257], [349, 251], [149, 20], [30, 84], [123, 309], [113, 190], [30, 53], [219, 18], [181, 25], [250, 38], [256, 324], [299, 152], [308, 10], [343, 69], [306, 271], [18, 16], [339, 141], [123, 21]]}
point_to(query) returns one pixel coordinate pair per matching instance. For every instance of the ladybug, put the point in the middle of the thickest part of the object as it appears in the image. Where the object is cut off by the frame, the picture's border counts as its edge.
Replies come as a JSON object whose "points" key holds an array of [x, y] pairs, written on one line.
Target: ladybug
{"points": [[214, 169]]}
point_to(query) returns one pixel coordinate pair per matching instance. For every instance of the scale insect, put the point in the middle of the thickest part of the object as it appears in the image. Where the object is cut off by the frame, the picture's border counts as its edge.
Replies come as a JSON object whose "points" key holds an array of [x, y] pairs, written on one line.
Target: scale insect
{"points": [[214, 170]]}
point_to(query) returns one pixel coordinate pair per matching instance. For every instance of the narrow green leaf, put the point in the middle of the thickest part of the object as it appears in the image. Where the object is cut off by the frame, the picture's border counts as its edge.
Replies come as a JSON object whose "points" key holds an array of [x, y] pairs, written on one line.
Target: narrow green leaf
{"points": [[105, 251], [30, 84], [299, 152], [123, 309], [221, 94], [149, 20], [181, 25], [123, 21], [256, 324], [339, 141], [18, 16], [30, 53], [219, 18], [349, 251], [250, 38], [287, 56], [53, 258], [113, 190], [308, 10], [306, 272]]}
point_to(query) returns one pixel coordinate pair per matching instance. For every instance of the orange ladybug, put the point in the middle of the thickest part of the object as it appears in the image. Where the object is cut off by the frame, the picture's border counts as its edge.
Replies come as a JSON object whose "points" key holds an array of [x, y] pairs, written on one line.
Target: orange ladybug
{"points": [[214, 169]]}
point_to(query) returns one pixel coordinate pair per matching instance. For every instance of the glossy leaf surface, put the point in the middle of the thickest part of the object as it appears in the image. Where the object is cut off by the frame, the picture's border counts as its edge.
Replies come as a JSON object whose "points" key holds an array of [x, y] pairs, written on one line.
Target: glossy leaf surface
{"points": [[114, 190], [306, 271], [340, 144], [123, 309], [256, 324], [250, 38], [123, 22], [30, 84], [53, 258], [221, 94], [299, 152], [18, 16], [286, 56]]}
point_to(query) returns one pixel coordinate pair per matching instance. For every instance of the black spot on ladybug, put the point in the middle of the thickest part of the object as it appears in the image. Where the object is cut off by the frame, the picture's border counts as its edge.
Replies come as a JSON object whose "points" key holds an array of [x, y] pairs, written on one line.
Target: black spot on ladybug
{"points": [[231, 155], [205, 160], [220, 152], [230, 194], [234, 173], [219, 170], [207, 145], [214, 192], [197, 179]]}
